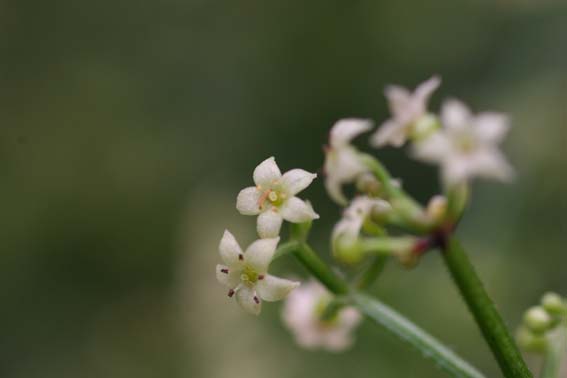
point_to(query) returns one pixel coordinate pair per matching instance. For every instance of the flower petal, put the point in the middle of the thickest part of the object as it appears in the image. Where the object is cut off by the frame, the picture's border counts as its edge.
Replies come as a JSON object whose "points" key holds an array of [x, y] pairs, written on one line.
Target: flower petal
{"points": [[260, 253], [228, 277], [297, 211], [455, 115], [399, 99], [345, 130], [247, 202], [269, 224], [436, 148], [334, 189], [273, 288], [490, 163], [295, 180], [425, 89], [491, 127], [229, 250], [267, 172], [390, 132], [247, 299]]}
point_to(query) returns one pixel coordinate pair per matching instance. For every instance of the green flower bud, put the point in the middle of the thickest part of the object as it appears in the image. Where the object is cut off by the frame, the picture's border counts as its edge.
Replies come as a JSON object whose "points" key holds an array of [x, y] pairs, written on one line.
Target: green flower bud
{"points": [[554, 304], [347, 250], [537, 319], [530, 341]]}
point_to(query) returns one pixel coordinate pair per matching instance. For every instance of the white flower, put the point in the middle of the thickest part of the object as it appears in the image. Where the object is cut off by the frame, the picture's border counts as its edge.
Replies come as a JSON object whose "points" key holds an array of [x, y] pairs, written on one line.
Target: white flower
{"points": [[273, 198], [245, 273], [409, 113], [302, 315], [348, 228], [467, 146], [342, 164]]}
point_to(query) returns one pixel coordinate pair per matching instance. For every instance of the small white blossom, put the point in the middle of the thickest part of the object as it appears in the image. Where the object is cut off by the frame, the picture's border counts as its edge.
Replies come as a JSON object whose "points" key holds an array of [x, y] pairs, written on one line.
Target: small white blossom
{"points": [[302, 315], [342, 164], [348, 228], [245, 273], [467, 146], [409, 113], [273, 198]]}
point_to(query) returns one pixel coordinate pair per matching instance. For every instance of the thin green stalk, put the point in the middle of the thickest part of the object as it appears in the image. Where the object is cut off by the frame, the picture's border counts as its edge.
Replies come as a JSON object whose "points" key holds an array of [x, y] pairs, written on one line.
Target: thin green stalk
{"points": [[409, 332], [555, 353], [387, 317], [286, 248], [320, 270], [369, 276], [487, 317]]}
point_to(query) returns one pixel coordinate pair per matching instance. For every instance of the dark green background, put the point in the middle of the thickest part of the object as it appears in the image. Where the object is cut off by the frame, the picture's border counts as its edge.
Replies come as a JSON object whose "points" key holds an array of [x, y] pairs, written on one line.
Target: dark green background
{"points": [[128, 127]]}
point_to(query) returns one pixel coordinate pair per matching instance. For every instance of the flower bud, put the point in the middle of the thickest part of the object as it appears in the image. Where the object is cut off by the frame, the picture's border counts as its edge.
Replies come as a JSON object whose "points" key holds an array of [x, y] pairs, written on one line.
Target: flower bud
{"points": [[554, 304], [537, 319], [347, 250], [368, 184], [530, 341], [424, 127], [436, 209]]}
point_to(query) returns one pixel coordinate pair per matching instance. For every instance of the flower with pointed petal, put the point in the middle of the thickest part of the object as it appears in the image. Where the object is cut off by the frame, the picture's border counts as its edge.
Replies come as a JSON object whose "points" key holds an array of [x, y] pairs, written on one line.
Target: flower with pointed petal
{"points": [[273, 198], [246, 273], [467, 146], [342, 164], [409, 114], [302, 314]]}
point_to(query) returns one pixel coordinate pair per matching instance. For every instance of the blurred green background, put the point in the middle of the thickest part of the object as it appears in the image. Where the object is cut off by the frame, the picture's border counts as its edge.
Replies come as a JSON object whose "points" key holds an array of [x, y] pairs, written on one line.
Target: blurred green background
{"points": [[127, 128]]}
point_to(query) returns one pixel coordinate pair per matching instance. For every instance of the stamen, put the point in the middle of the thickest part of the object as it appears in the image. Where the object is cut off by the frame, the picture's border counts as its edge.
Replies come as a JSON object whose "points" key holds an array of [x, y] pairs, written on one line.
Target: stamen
{"points": [[261, 277], [240, 256], [263, 198], [225, 271], [256, 300], [231, 293]]}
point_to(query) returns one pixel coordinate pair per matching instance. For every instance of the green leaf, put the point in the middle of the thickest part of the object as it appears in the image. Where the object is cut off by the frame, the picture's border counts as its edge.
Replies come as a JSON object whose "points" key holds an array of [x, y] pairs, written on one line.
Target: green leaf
{"points": [[430, 347]]}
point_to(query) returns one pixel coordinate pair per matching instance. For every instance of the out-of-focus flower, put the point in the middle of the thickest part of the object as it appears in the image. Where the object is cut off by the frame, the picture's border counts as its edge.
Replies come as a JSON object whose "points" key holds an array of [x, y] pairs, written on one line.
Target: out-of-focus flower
{"points": [[303, 312], [348, 228], [273, 198], [409, 114], [342, 164], [467, 146], [245, 273]]}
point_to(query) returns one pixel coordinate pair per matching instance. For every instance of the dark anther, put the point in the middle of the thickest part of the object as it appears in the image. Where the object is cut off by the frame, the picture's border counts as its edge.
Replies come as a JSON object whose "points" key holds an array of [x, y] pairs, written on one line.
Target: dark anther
{"points": [[225, 271], [230, 293], [261, 277], [256, 300], [240, 257]]}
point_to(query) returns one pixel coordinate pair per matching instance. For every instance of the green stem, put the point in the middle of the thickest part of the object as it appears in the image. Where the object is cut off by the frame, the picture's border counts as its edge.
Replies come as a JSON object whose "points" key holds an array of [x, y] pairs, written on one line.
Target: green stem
{"points": [[286, 248], [320, 270], [554, 353], [387, 317], [409, 332], [487, 317], [369, 276]]}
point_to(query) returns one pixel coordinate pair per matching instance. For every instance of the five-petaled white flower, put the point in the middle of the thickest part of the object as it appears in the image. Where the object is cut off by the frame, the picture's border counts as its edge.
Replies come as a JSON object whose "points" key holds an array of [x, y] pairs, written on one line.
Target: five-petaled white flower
{"points": [[303, 312], [273, 198], [409, 113], [467, 146], [342, 164], [245, 273], [348, 228]]}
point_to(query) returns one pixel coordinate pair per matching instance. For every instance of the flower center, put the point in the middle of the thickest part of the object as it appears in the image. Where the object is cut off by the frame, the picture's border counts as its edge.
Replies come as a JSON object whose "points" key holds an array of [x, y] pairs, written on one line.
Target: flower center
{"points": [[274, 196], [249, 275], [466, 143]]}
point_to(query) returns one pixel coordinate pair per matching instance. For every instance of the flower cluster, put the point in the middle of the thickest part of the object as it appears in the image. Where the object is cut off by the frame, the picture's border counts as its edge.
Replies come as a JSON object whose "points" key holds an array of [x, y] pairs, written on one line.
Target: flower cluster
{"points": [[273, 199], [381, 220], [544, 325]]}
